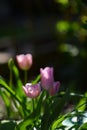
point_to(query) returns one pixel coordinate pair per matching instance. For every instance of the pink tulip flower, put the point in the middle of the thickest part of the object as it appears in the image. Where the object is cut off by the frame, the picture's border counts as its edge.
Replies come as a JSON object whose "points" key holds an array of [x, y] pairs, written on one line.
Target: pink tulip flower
{"points": [[47, 78], [32, 91], [53, 90], [24, 61], [47, 81]]}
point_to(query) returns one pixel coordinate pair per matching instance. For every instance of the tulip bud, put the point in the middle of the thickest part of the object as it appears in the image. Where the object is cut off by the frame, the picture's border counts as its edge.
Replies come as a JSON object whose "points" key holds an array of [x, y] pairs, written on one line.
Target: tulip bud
{"points": [[47, 78], [24, 61], [10, 63], [32, 91], [53, 90]]}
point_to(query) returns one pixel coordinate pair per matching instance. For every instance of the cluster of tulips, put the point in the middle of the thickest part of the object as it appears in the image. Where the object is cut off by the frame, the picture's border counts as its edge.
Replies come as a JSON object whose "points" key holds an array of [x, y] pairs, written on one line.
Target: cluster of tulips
{"points": [[46, 78], [33, 103], [38, 104]]}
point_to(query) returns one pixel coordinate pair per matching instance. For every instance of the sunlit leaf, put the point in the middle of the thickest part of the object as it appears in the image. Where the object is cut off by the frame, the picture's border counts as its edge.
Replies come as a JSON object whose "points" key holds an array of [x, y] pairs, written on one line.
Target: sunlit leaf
{"points": [[83, 127], [5, 86], [84, 19], [82, 103], [58, 122], [62, 26], [36, 80], [64, 2]]}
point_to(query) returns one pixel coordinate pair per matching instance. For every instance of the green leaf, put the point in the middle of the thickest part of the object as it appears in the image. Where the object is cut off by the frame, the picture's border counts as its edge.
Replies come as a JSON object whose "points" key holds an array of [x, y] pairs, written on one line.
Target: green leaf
{"points": [[34, 116], [4, 97], [19, 84], [6, 100], [15, 96], [25, 124], [16, 72], [7, 125], [58, 122], [29, 121], [39, 104], [52, 114], [63, 26], [19, 89], [83, 127], [82, 103], [36, 80], [5, 86]]}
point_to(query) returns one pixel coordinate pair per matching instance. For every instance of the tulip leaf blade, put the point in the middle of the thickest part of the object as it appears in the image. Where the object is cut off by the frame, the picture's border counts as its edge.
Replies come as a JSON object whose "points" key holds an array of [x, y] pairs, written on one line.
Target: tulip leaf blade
{"points": [[83, 126], [51, 115], [36, 80]]}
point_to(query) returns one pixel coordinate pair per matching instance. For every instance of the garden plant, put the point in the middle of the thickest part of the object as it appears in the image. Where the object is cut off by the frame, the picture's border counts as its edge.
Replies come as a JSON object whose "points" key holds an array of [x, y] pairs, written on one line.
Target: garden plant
{"points": [[41, 103]]}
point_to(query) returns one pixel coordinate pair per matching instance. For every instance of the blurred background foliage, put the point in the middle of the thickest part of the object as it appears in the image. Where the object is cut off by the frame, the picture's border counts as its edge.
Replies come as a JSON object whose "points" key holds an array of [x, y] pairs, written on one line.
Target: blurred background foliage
{"points": [[54, 31]]}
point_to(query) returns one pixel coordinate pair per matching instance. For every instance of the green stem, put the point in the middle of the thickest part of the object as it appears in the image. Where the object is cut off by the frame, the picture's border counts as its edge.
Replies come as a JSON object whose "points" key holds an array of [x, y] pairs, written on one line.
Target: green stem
{"points": [[32, 105], [25, 76], [4, 85], [11, 78]]}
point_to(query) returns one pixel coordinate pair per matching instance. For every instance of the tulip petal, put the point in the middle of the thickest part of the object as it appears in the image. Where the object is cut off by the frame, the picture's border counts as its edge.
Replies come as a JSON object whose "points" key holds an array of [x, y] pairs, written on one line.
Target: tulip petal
{"points": [[47, 78], [24, 61], [55, 88], [32, 91]]}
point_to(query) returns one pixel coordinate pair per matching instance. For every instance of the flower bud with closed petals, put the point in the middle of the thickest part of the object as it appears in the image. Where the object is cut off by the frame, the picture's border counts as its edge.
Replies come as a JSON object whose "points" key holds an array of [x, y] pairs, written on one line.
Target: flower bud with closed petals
{"points": [[32, 91], [53, 90], [47, 78], [24, 61]]}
